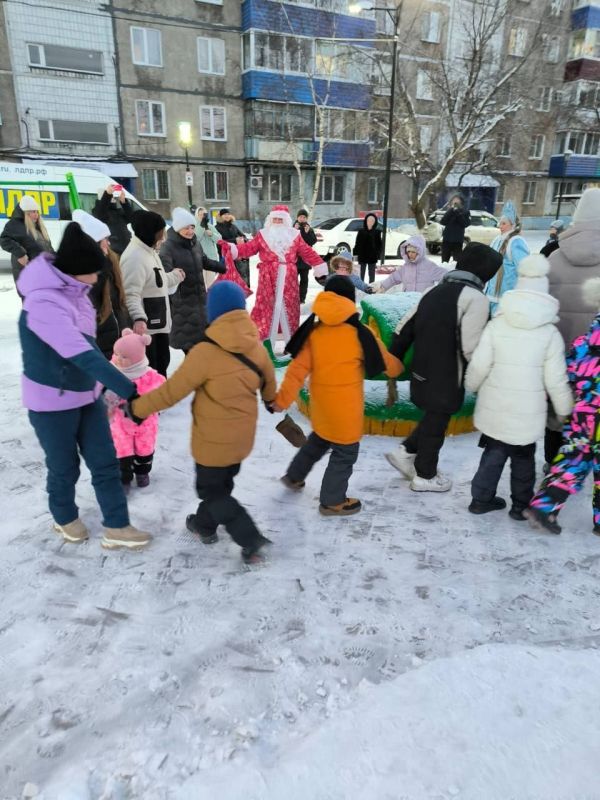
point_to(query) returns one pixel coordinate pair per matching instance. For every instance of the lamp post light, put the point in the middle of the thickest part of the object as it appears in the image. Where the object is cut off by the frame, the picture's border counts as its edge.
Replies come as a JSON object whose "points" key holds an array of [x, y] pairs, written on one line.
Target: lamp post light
{"points": [[566, 156], [394, 14], [185, 140]]}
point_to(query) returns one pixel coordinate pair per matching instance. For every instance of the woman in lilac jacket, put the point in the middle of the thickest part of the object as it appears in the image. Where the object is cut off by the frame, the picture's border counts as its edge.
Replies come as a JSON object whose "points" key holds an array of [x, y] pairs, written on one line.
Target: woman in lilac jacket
{"points": [[417, 273], [63, 374]]}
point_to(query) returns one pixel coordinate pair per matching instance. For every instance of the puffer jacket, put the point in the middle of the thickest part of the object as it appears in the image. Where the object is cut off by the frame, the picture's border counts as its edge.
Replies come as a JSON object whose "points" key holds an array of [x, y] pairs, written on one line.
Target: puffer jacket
{"points": [[576, 260], [17, 241], [188, 304], [117, 215], [519, 360], [417, 275], [367, 247], [147, 286], [224, 408], [334, 359]]}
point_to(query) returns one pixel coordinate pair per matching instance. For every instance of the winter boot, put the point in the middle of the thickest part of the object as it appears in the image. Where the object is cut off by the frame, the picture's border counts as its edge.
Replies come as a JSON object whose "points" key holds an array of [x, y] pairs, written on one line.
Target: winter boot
{"points": [[540, 521], [75, 531], [142, 481], [251, 554], [350, 506], [481, 507], [437, 484], [295, 486], [517, 514], [207, 537], [129, 537], [403, 461]]}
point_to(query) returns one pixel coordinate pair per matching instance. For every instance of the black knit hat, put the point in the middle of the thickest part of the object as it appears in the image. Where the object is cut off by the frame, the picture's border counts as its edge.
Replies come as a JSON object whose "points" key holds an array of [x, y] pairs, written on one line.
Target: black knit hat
{"points": [[302, 213], [341, 285], [480, 260], [146, 224], [78, 253], [223, 211]]}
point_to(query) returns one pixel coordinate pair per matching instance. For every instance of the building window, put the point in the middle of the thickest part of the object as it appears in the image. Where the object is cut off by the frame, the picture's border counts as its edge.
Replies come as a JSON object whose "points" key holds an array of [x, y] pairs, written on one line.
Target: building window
{"points": [[529, 192], [150, 116], [546, 95], [282, 53], [517, 42], [278, 186], [430, 27], [536, 148], [578, 142], [280, 121], [503, 146], [71, 59], [331, 189], [552, 49], [424, 87], [375, 190], [213, 124], [556, 7], [155, 184], [500, 193], [211, 55], [342, 125], [146, 47], [216, 185], [425, 136], [589, 96], [339, 61], [211, 2], [64, 130]]}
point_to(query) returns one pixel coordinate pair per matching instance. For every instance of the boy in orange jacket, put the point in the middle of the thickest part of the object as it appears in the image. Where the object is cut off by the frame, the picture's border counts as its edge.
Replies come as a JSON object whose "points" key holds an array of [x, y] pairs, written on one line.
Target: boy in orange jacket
{"points": [[337, 352]]}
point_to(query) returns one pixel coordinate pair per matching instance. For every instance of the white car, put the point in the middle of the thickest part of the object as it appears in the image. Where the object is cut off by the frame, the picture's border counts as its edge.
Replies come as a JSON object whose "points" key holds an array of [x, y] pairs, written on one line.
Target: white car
{"points": [[483, 228], [337, 234]]}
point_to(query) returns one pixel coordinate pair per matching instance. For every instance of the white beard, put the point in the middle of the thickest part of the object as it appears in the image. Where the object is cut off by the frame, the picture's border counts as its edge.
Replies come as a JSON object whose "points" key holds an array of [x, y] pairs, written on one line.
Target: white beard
{"points": [[279, 238]]}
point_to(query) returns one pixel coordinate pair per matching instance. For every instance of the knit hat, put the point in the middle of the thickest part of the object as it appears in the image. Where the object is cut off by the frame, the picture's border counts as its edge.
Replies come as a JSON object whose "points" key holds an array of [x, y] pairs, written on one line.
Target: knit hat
{"points": [[182, 218], [302, 213], [533, 274], [222, 297], [223, 211], [480, 260], [588, 207], [590, 290], [146, 224], [130, 349], [344, 255], [558, 225], [95, 228], [78, 253], [28, 203], [341, 285]]}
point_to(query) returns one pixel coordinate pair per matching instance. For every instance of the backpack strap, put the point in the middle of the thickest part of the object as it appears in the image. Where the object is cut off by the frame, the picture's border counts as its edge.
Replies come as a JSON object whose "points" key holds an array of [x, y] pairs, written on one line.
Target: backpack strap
{"points": [[240, 357]]}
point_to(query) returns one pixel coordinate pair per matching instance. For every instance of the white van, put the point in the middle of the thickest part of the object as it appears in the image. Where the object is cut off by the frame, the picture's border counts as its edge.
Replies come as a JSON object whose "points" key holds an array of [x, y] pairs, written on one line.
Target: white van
{"points": [[52, 200]]}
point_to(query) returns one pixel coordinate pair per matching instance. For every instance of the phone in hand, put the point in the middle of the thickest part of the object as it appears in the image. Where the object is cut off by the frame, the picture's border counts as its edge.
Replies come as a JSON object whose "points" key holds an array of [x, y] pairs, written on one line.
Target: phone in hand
{"points": [[117, 188]]}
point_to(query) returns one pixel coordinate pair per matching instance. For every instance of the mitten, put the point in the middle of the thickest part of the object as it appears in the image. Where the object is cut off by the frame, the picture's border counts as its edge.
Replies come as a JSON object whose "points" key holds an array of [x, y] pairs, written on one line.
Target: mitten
{"points": [[128, 409], [291, 431]]}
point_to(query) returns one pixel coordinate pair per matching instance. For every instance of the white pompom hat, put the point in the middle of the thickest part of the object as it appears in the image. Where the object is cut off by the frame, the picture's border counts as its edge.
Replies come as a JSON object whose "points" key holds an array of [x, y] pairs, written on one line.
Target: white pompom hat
{"points": [[181, 218], [28, 203], [94, 228], [588, 207], [533, 274]]}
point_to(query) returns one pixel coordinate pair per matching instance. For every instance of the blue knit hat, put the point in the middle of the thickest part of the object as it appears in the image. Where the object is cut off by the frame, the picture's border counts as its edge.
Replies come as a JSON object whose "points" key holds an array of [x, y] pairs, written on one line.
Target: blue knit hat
{"points": [[224, 296]]}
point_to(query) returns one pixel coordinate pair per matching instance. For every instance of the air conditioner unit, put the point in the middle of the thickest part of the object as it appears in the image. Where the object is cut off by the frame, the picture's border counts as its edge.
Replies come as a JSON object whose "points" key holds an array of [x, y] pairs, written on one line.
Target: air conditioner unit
{"points": [[256, 169], [256, 181]]}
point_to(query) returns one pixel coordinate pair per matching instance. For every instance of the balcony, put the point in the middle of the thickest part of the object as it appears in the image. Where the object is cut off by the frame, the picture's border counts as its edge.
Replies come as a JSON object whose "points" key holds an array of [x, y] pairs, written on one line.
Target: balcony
{"points": [[265, 85], [335, 154], [586, 17], [305, 21], [582, 69], [577, 167]]}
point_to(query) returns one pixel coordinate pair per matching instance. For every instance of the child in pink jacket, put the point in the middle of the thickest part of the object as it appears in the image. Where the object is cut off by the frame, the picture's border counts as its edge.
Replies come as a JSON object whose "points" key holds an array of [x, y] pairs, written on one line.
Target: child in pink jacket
{"points": [[418, 272], [135, 443]]}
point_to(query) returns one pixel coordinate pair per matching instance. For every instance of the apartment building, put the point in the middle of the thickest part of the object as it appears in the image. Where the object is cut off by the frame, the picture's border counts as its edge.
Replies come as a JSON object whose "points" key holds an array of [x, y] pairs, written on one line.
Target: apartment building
{"points": [[9, 119]]}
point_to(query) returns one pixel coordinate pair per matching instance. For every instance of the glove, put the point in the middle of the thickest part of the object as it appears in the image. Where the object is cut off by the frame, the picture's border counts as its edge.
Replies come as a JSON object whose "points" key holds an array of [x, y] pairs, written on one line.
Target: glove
{"points": [[128, 409], [322, 280], [269, 406]]}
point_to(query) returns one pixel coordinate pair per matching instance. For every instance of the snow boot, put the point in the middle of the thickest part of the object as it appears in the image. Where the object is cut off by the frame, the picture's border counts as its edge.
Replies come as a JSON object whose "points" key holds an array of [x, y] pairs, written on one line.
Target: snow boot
{"points": [[142, 481], [129, 537], [542, 522], [350, 506], [484, 507], [295, 486], [403, 461], [206, 537], [251, 555], [517, 514], [75, 531], [437, 484]]}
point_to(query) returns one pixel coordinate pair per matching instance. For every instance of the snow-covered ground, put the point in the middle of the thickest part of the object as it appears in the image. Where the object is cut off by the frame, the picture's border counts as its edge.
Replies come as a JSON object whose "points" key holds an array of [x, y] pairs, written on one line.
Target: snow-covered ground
{"points": [[413, 651]]}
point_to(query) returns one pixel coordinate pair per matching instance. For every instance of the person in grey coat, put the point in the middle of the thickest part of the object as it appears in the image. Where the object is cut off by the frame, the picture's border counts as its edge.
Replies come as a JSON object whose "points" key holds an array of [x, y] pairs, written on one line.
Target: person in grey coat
{"points": [[188, 305]]}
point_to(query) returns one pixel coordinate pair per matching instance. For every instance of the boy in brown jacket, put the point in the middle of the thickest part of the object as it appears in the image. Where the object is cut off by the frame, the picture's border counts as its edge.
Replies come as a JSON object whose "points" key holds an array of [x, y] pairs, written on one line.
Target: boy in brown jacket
{"points": [[224, 371]]}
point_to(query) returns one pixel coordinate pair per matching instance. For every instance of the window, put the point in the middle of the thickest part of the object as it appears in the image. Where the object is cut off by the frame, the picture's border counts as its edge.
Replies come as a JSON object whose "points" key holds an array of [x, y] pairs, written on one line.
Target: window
{"points": [[589, 96], [150, 118], [375, 190], [343, 125], [71, 59], [517, 42], [556, 7], [424, 88], [213, 123], [546, 95], [592, 144], [216, 185], [211, 55], [211, 2], [331, 189], [63, 130], [500, 193], [281, 53], [503, 146], [146, 47], [430, 27], [280, 121], [578, 142], [577, 45], [425, 135], [277, 186], [338, 61], [529, 192], [536, 148], [155, 184], [552, 49]]}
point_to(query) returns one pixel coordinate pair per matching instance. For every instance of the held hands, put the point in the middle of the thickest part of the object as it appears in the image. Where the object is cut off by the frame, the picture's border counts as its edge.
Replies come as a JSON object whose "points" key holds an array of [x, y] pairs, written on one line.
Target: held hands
{"points": [[128, 409], [23, 261], [180, 273], [140, 327]]}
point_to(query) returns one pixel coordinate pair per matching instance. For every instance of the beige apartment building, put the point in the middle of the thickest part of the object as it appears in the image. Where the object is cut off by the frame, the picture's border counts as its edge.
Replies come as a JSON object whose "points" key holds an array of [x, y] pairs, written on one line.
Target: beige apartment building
{"points": [[9, 118]]}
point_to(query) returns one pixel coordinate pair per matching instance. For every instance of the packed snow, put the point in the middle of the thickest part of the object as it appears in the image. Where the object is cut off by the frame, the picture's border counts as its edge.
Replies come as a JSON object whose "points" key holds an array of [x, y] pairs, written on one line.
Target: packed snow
{"points": [[412, 651]]}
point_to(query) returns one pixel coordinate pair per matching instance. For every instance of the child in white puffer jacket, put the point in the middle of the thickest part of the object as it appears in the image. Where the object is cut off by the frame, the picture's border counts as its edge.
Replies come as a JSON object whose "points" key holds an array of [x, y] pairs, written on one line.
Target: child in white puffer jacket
{"points": [[520, 360]]}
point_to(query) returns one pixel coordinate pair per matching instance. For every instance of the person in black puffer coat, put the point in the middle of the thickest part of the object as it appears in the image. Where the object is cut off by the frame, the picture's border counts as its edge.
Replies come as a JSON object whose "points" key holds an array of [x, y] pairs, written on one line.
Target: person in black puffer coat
{"points": [[368, 246], [116, 211], [455, 221], [230, 233], [25, 235], [188, 304]]}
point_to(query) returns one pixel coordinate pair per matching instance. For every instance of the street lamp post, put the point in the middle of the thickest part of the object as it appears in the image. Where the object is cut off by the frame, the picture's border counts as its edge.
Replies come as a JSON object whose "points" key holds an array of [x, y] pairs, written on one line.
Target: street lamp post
{"points": [[185, 140], [566, 156], [364, 5]]}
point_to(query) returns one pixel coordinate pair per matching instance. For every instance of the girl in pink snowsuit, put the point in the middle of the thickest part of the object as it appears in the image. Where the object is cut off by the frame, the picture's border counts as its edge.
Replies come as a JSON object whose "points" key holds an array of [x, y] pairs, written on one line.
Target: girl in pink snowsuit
{"points": [[135, 443]]}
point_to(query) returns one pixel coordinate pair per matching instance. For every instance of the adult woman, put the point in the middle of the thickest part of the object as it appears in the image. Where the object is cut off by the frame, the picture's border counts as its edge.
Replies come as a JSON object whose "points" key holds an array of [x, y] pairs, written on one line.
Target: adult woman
{"points": [[368, 246], [147, 286], [188, 306], [114, 209], [25, 235], [513, 249], [207, 236]]}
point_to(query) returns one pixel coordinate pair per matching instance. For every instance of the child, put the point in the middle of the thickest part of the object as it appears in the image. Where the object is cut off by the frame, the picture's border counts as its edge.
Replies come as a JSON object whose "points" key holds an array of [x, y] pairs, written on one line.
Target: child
{"points": [[445, 328], [63, 369], [341, 264], [418, 273], [135, 443], [336, 352], [580, 452], [224, 371], [519, 360]]}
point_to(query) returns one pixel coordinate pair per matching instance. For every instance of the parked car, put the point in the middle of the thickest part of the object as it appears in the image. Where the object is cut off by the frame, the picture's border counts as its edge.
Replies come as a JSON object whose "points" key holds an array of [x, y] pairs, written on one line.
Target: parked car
{"points": [[338, 233], [483, 228]]}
